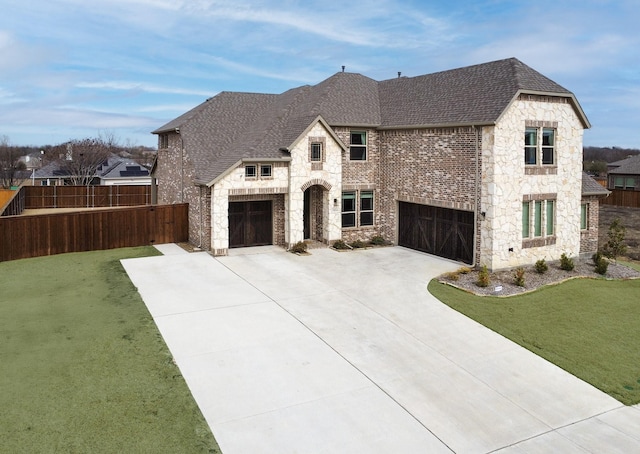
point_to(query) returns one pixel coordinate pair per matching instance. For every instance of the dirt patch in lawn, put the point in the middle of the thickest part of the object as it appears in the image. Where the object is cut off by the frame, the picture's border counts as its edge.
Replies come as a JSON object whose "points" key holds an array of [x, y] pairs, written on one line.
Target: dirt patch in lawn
{"points": [[630, 218]]}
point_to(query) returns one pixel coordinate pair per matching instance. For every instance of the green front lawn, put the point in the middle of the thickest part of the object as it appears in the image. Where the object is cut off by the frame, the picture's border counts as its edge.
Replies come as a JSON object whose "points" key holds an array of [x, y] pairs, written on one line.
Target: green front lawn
{"points": [[590, 328], [84, 368]]}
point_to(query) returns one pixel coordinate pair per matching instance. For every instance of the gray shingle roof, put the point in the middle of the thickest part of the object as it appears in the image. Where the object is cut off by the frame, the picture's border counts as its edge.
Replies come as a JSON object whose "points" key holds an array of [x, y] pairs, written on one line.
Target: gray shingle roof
{"points": [[592, 187], [232, 126], [629, 166]]}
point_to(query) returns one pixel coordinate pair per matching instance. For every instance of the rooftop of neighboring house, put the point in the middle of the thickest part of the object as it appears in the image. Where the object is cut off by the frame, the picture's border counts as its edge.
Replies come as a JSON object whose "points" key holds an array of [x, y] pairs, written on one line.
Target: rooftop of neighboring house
{"points": [[628, 166], [231, 126], [592, 187], [114, 167]]}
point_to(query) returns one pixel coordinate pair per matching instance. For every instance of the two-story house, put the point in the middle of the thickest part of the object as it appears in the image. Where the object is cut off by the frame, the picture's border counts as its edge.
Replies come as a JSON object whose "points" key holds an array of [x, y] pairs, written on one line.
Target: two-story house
{"points": [[480, 164]]}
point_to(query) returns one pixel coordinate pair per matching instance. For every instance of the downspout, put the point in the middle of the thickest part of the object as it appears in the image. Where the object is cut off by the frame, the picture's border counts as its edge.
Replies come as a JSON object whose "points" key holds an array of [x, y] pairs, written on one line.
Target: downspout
{"points": [[200, 223]]}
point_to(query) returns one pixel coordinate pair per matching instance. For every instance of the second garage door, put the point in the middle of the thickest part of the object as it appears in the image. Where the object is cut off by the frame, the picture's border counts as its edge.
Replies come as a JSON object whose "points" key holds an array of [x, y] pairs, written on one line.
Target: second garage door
{"points": [[250, 223], [439, 231]]}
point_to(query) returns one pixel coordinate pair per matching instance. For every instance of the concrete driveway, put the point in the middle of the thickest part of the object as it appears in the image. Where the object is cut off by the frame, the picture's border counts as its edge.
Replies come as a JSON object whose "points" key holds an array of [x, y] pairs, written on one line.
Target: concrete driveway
{"points": [[348, 353]]}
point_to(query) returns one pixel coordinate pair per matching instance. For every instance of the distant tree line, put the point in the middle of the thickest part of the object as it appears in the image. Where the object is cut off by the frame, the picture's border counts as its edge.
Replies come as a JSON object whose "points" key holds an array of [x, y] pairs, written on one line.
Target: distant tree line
{"points": [[595, 159]]}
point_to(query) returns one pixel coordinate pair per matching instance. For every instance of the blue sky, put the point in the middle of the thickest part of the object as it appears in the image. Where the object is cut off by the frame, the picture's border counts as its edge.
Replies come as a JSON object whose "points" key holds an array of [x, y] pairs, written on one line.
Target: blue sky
{"points": [[75, 68]]}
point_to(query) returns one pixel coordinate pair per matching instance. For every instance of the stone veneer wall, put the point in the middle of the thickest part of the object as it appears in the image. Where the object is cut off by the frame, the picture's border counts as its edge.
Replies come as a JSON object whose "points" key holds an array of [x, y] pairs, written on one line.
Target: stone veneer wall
{"points": [[589, 237], [426, 166], [506, 182]]}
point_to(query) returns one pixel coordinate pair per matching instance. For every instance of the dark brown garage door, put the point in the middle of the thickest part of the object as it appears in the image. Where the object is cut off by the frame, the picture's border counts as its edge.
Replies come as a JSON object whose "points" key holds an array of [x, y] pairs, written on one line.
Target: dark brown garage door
{"points": [[438, 231], [250, 224]]}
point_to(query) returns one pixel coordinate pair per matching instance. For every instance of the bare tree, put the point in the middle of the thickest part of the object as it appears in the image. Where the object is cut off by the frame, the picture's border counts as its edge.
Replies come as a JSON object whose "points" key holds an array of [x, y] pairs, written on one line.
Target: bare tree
{"points": [[81, 159], [12, 170]]}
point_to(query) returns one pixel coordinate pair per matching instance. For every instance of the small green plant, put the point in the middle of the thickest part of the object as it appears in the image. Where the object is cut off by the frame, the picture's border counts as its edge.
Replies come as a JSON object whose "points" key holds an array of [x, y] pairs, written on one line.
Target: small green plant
{"points": [[299, 248], [541, 266], [602, 266], [518, 277], [357, 244], [483, 277], [596, 257], [566, 263], [378, 240], [615, 246], [340, 244]]}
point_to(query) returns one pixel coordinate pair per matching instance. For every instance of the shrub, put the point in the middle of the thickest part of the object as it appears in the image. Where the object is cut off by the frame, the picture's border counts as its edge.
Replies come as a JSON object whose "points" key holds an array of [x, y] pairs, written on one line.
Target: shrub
{"points": [[615, 246], [357, 244], [378, 240], [483, 277], [596, 257], [541, 266], [518, 277], [601, 263], [340, 244], [566, 263], [464, 270], [299, 248]]}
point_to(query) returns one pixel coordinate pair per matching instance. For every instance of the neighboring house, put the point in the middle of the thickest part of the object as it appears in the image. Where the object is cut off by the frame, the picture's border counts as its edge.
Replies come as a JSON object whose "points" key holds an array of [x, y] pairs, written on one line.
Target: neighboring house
{"points": [[114, 171], [123, 171], [624, 174], [481, 164]]}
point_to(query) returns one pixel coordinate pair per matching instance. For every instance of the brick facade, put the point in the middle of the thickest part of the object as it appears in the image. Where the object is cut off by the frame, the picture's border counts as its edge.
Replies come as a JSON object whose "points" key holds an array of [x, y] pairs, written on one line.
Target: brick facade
{"points": [[589, 237]]}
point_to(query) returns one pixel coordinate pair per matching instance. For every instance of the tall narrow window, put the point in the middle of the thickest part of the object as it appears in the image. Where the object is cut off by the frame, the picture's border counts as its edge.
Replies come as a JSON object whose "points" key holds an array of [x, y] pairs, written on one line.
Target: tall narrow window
{"points": [[526, 216], [530, 146], [348, 209], [316, 152], [537, 219], [358, 148], [548, 144], [584, 216], [550, 217], [366, 208]]}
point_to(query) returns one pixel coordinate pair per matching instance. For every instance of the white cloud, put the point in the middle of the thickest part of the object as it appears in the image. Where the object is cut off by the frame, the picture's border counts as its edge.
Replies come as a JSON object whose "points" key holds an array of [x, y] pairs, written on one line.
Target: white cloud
{"points": [[141, 86]]}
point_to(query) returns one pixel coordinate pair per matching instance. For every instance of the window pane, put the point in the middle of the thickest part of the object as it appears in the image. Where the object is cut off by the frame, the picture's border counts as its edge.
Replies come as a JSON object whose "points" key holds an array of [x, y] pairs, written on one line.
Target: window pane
{"points": [[550, 219], [316, 152], [630, 183], [250, 171], [537, 229], [525, 219], [530, 145], [548, 141], [358, 138], [358, 153], [348, 201], [583, 216], [366, 200], [265, 171], [619, 182], [366, 218], [348, 219]]}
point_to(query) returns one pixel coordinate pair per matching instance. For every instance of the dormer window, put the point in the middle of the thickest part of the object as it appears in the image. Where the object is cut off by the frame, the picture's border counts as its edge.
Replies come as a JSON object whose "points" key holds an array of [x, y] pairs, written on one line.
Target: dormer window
{"points": [[316, 152]]}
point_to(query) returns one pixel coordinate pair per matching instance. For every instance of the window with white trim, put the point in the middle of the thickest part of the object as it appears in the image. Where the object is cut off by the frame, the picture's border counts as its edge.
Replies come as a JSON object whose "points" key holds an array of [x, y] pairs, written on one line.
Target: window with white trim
{"points": [[358, 146], [250, 171], [538, 218], [357, 208], [316, 152], [539, 146], [349, 209], [584, 216]]}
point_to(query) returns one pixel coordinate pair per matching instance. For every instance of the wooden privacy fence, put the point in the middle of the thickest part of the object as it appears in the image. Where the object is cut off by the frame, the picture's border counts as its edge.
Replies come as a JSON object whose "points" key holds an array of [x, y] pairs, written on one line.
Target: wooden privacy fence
{"points": [[49, 234], [86, 196], [622, 198]]}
